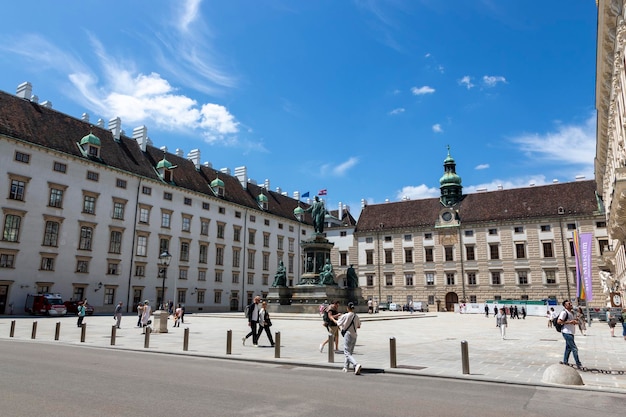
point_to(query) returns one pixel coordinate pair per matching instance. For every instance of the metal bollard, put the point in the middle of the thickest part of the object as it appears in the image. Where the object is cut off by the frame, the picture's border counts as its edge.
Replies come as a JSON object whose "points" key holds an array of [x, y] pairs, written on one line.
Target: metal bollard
{"points": [[146, 339], [392, 353], [12, 332], [113, 333], [83, 332], [33, 333], [465, 357], [57, 331], [277, 345], [229, 342], [186, 339], [331, 348]]}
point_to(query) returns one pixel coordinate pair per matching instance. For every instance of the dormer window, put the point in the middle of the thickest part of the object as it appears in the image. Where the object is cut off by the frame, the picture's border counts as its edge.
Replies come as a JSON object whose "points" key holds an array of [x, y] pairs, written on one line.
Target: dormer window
{"points": [[217, 186], [165, 170], [262, 201], [90, 146]]}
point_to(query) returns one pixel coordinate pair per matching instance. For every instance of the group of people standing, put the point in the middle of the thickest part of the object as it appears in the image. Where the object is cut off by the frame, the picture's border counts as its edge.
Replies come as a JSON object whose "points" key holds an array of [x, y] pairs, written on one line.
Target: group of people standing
{"points": [[512, 312]]}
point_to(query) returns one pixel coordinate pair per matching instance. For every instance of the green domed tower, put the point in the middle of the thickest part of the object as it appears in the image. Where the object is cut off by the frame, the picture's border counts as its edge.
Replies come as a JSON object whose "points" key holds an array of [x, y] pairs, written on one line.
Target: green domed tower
{"points": [[450, 183]]}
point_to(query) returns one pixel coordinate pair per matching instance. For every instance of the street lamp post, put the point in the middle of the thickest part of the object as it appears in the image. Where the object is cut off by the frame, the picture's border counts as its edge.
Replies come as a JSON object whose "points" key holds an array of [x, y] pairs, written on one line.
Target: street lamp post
{"points": [[164, 261]]}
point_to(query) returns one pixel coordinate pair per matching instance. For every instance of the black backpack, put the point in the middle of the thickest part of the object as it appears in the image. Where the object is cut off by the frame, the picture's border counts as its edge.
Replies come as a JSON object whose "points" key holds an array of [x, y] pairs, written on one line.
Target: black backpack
{"points": [[555, 323]]}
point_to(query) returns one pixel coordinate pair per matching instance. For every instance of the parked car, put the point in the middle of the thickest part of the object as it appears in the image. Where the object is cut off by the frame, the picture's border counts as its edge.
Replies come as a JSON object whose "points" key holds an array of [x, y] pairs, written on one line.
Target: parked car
{"points": [[48, 304], [72, 307], [420, 306], [383, 306], [394, 307]]}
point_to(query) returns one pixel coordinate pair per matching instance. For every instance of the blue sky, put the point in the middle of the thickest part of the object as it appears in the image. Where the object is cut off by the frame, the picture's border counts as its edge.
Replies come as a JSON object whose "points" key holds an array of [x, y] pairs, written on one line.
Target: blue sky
{"points": [[359, 97]]}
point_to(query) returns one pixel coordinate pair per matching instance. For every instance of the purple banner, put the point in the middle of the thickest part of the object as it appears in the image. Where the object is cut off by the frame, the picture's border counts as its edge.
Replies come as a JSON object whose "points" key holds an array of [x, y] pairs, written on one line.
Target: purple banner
{"points": [[586, 246]]}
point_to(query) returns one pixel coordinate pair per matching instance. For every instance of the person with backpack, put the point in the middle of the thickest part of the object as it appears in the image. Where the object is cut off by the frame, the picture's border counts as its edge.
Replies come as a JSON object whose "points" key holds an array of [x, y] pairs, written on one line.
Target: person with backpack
{"points": [[348, 323], [330, 316], [567, 319], [253, 319]]}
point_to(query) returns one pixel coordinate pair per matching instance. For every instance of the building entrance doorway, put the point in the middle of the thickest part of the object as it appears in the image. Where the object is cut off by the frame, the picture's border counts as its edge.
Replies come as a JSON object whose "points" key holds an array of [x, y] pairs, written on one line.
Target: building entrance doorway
{"points": [[451, 299], [4, 290]]}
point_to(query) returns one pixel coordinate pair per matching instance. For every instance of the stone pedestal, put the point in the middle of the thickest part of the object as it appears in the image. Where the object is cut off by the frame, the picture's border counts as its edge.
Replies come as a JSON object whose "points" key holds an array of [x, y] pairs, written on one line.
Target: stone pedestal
{"points": [[159, 321]]}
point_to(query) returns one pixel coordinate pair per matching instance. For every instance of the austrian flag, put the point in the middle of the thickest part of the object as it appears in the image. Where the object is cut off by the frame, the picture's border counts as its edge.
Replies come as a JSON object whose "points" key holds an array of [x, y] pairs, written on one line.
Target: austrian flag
{"points": [[322, 192]]}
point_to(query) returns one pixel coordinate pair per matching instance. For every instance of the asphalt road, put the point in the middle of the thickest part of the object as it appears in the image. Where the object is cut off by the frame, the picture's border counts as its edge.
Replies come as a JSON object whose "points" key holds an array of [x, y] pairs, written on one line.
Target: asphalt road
{"points": [[42, 379]]}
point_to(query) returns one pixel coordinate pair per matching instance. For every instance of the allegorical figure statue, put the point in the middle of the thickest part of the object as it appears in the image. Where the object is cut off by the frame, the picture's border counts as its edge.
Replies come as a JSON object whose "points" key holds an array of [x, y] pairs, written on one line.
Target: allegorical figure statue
{"points": [[280, 279], [318, 212], [327, 276], [353, 278]]}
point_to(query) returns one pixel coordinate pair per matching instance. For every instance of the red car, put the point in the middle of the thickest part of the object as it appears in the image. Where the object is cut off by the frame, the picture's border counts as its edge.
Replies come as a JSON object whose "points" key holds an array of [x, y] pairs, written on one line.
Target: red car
{"points": [[72, 307]]}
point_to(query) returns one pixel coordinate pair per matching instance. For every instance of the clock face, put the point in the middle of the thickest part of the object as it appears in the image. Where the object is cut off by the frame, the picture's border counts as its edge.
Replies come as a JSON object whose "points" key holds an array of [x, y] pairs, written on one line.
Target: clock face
{"points": [[446, 216], [617, 300]]}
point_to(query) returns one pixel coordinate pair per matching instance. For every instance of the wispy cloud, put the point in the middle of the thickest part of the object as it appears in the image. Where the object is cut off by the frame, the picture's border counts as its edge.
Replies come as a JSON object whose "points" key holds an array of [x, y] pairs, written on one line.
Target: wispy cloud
{"points": [[339, 170], [416, 192], [399, 110], [466, 81], [437, 128], [493, 80], [481, 166], [419, 91], [189, 13]]}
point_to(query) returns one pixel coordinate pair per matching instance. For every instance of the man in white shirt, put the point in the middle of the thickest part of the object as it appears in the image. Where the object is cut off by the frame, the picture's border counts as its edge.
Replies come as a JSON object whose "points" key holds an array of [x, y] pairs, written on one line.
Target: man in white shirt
{"points": [[568, 320], [350, 322]]}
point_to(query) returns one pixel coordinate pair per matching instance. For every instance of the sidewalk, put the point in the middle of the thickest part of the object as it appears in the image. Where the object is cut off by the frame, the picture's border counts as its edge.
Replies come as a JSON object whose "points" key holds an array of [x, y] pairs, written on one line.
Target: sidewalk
{"points": [[426, 343]]}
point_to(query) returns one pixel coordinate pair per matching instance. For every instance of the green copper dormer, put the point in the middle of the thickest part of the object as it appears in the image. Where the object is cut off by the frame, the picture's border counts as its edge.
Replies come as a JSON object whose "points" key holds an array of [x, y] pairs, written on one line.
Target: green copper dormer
{"points": [[90, 146], [298, 212], [217, 186], [262, 201], [165, 170], [450, 183]]}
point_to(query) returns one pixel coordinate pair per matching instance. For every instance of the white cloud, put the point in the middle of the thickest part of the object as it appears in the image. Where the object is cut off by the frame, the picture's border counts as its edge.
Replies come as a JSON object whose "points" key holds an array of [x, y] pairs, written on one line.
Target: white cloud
{"points": [[418, 91], [481, 166], [466, 81], [493, 80], [437, 128], [397, 111], [568, 144], [189, 13], [339, 170], [417, 192], [511, 183]]}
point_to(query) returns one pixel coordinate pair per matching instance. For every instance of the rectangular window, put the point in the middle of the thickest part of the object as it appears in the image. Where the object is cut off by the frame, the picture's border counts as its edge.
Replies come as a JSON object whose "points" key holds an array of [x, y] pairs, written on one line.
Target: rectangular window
{"points": [[109, 296], [60, 167], [86, 236], [408, 280], [430, 278], [217, 297], [547, 249], [604, 245], [11, 232], [200, 297], [182, 273], [388, 256], [494, 251], [369, 240], [219, 255], [56, 198], [266, 261], [187, 201], [473, 299], [222, 210], [236, 257], [251, 259], [164, 245], [469, 233], [218, 276], [251, 236], [266, 240], [450, 278], [204, 254], [51, 234], [89, 204], [142, 245], [493, 232], [251, 279], [280, 242], [601, 224], [146, 190], [449, 253], [428, 236], [93, 176], [470, 253], [17, 190], [205, 205], [495, 278], [431, 299], [202, 275], [144, 215], [235, 277], [370, 280], [518, 229], [7, 260], [237, 234], [388, 280], [471, 278], [204, 227], [22, 157], [572, 251], [140, 270], [408, 238], [522, 277], [167, 196], [82, 266], [428, 254], [115, 242], [113, 268], [387, 238], [266, 222], [369, 257], [184, 251], [550, 277], [118, 210], [545, 227], [119, 183], [408, 255], [166, 219], [520, 250], [186, 224], [47, 263], [571, 226], [220, 231]]}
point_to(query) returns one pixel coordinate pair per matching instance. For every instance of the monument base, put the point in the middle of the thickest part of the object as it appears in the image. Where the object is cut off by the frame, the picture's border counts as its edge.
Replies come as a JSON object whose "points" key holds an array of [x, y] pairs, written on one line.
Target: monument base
{"points": [[307, 298]]}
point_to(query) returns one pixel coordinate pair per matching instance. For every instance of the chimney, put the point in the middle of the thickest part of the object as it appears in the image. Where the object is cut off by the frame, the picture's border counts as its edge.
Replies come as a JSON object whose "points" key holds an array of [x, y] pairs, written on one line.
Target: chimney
{"points": [[278, 190], [100, 123], [115, 126], [208, 164], [24, 90], [34, 98], [266, 184], [242, 175], [47, 104], [296, 195], [163, 148], [363, 203], [85, 117], [340, 210], [194, 157], [225, 171], [555, 181], [140, 135], [179, 152]]}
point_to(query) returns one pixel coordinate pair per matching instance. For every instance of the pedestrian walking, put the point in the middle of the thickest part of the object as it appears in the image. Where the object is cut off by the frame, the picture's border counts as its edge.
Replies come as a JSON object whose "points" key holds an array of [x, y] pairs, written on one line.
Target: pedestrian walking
{"points": [[117, 314], [139, 313], [523, 313], [253, 320], [486, 310], [81, 313], [370, 306], [146, 311], [349, 323], [568, 320], [502, 323], [612, 322], [265, 323], [495, 311], [330, 317], [178, 313]]}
